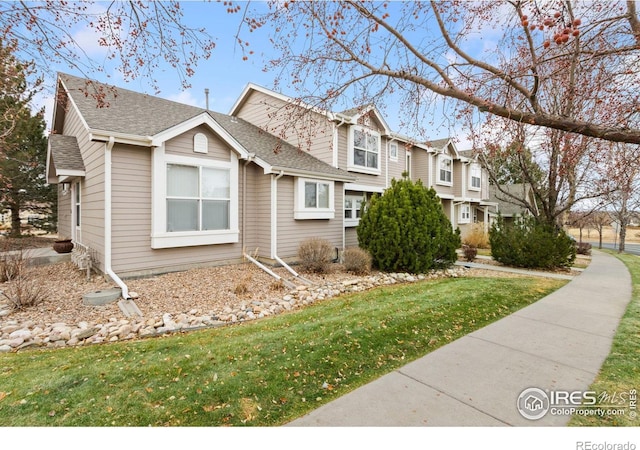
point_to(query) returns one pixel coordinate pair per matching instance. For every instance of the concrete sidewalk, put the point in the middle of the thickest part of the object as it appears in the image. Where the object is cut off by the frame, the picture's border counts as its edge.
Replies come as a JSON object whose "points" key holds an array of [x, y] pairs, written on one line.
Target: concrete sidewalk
{"points": [[558, 343]]}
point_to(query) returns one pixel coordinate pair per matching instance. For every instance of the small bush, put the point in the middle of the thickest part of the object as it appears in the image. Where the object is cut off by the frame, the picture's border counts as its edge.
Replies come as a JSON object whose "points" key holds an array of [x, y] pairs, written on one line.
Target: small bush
{"points": [[11, 265], [583, 248], [470, 252], [476, 237], [357, 261], [24, 291], [315, 255], [529, 243]]}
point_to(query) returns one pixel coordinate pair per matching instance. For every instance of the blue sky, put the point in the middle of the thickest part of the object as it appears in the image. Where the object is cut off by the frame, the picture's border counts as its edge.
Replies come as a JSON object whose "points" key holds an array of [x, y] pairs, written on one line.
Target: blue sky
{"points": [[225, 74]]}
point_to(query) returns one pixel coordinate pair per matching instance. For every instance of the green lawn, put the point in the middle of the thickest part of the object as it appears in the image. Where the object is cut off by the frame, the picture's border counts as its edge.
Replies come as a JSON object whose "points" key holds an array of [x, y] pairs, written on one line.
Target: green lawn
{"points": [[262, 373], [620, 373]]}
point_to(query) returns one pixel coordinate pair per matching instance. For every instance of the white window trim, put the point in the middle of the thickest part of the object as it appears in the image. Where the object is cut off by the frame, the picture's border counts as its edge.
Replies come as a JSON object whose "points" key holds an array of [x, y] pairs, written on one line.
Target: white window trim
{"points": [[465, 210], [439, 180], [351, 166], [301, 212], [407, 164], [352, 222], [475, 168], [160, 238], [391, 156]]}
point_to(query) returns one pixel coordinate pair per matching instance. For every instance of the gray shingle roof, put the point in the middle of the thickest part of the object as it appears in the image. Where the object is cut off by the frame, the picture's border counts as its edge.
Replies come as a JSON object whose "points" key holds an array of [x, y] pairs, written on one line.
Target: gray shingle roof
{"points": [[139, 114], [65, 153]]}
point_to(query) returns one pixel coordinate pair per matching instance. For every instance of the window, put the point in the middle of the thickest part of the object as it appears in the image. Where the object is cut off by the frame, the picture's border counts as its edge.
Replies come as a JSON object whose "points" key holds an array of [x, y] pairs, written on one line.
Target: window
{"points": [[352, 210], [393, 151], [465, 213], [445, 164], [408, 164], [77, 204], [364, 151], [314, 199], [316, 194], [197, 198], [475, 177]]}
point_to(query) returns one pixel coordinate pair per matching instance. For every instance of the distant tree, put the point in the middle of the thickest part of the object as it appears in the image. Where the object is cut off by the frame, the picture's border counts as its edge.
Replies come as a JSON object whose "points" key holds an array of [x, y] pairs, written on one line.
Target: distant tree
{"points": [[623, 179], [513, 164], [22, 168], [406, 229], [599, 220], [16, 93]]}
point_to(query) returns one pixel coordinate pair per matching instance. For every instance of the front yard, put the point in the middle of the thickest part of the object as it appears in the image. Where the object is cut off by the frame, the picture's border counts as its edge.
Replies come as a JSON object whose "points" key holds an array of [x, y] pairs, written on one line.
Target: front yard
{"points": [[260, 373]]}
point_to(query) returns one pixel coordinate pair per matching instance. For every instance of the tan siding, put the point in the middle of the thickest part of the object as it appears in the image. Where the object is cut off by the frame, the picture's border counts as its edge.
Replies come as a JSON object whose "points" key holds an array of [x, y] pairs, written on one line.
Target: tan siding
{"points": [[92, 187], [64, 213], [131, 222], [458, 178], [258, 223], [309, 131], [292, 232], [183, 145], [420, 166], [363, 178], [351, 237], [395, 168]]}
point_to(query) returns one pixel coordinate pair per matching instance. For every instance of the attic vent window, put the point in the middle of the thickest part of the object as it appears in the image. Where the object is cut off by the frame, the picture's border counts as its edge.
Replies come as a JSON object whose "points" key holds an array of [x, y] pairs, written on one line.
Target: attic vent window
{"points": [[200, 143]]}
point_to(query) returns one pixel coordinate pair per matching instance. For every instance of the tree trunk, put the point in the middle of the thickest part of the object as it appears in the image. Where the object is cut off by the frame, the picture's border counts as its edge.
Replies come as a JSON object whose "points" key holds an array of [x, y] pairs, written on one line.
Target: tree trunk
{"points": [[15, 220], [623, 236]]}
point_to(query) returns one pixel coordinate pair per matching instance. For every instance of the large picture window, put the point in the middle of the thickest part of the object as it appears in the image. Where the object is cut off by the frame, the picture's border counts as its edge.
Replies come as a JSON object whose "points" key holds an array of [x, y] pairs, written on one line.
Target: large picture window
{"points": [[364, 150], [195, 200], [198, 198]]}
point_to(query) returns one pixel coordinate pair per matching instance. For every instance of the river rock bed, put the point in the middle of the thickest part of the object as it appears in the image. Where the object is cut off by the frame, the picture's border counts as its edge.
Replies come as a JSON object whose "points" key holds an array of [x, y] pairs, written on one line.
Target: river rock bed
{"points": [[173, 303]]}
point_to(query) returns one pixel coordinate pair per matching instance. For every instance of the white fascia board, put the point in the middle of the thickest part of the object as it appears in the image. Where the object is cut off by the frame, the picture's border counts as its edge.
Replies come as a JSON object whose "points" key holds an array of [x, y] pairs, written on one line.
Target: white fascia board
{"points": [[363, 188], [200, 119], [120, 138], [70, 173], [308, 174]]}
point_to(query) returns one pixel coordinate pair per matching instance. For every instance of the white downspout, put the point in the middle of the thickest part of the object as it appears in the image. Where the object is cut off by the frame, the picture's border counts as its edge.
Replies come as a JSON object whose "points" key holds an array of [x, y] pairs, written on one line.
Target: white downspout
{"points": [[107, 221], [250, 158], [274, 214]]}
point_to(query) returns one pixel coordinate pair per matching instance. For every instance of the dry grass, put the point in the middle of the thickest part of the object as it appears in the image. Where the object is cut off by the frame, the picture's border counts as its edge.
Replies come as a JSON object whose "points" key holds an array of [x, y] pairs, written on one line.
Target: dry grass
{"points": [[608, 235]]}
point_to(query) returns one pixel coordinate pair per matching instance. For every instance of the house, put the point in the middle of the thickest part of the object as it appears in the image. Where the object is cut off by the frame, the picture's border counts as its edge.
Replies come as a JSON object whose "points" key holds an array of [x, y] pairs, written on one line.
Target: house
{"points": [[148, 185], [512, 200]]}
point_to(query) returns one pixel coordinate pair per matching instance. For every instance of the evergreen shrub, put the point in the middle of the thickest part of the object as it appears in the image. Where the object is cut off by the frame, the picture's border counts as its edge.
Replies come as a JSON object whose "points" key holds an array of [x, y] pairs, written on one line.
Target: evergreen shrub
{"points": [[529, 243], [405, 229]]}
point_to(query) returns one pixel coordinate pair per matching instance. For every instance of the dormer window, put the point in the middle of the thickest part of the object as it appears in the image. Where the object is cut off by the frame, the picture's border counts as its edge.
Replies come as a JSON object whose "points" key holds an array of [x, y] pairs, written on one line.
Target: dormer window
{"points": [[364, 150], [445, 170]]}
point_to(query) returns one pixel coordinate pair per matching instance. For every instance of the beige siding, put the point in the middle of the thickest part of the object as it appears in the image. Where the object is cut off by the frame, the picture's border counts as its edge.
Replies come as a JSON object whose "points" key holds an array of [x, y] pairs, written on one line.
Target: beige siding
{"points": [[183, 145], [292, 232], [131, 212], [459, 174], [395, 168], [91, 231], [420, 169], [350, 237], [258, 207], [306, 130], [64, 213]]}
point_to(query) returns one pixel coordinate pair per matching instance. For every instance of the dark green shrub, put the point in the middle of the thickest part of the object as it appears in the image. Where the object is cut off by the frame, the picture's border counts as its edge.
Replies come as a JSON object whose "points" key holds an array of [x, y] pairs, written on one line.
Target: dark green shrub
{"points": [[529, 243], [406, 229], [357, 261], [315, 255]]}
